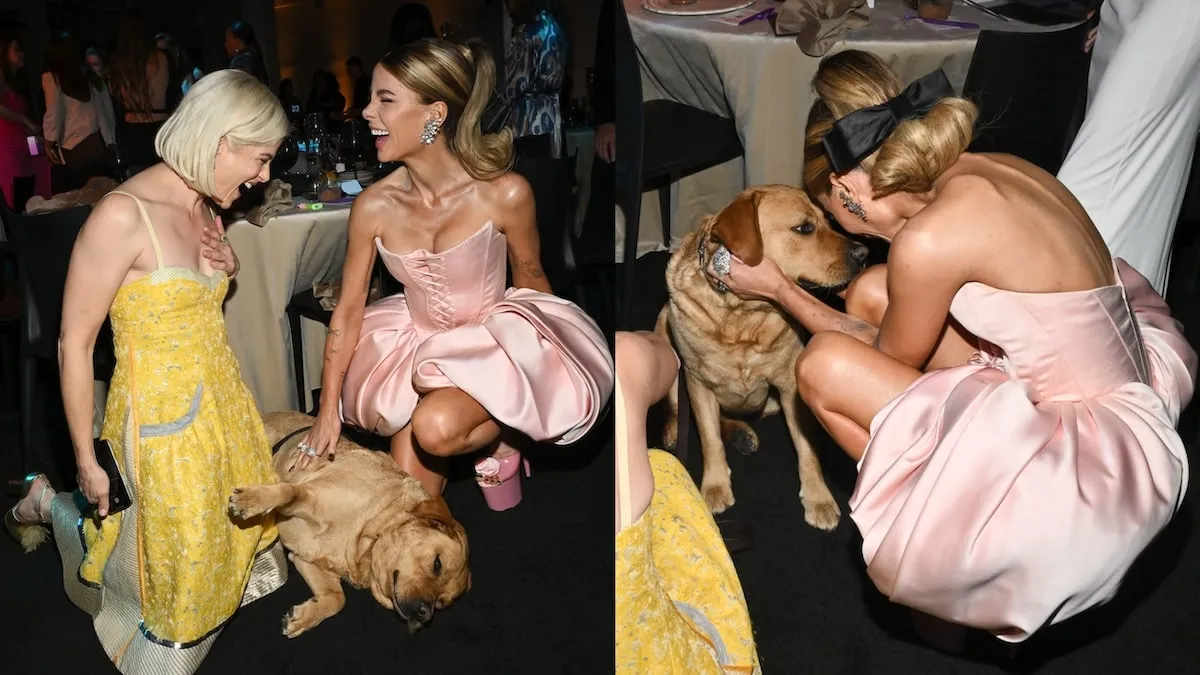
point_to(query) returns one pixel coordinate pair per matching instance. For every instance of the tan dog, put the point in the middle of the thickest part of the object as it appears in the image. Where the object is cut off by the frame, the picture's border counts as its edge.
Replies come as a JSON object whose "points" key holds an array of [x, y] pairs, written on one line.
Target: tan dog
{"points": [[734, 351], [357, 516]]}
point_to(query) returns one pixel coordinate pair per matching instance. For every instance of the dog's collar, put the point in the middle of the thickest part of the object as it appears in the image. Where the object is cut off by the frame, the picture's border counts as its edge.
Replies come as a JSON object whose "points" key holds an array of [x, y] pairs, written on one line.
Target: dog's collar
{"points": [[275, 448]]}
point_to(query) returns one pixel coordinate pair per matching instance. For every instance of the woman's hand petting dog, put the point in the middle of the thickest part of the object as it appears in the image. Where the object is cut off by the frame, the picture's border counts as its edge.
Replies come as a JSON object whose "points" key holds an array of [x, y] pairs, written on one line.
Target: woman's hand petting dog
{"points": [[751, 282]]}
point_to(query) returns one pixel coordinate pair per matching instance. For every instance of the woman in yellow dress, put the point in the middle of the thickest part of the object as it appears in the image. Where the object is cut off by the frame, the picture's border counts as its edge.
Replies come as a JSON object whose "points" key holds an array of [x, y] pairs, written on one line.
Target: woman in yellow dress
{"points": [[679, 603], [162, 578]]}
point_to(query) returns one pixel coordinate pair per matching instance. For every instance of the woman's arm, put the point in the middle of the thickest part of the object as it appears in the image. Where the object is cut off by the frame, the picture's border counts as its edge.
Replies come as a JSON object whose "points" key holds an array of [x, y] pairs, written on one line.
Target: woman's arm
{"points": [[368, 212], [817, 316], [53, 120], [12, 115], [519, 222], [105, 115], [104, 253]]}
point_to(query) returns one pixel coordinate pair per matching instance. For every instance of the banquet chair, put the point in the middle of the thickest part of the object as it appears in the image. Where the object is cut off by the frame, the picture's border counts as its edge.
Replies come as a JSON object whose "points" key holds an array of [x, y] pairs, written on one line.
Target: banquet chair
{"points": [[305, 305], [43, 245], [553, 184], [658, 143], [1031, 89], [650, 148]]}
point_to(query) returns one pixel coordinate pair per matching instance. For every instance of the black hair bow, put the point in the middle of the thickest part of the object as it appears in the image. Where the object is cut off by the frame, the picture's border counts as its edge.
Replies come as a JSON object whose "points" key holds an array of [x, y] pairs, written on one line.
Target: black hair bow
{"points": [[859, 134]]}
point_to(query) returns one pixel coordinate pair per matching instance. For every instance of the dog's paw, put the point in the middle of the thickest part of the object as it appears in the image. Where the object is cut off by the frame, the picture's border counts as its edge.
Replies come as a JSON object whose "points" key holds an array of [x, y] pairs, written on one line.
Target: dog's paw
{"points": [[718, 496], [246, 503], [740, 438], [822, 513], [300, 619], [670, 436]]}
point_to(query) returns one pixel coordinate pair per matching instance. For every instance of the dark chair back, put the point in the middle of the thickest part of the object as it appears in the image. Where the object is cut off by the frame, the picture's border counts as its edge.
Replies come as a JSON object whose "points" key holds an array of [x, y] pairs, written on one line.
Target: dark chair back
{"points": [[630, 125], [553, 184], [1031, 89], [43, 244], [23, 188], [539, 146]]}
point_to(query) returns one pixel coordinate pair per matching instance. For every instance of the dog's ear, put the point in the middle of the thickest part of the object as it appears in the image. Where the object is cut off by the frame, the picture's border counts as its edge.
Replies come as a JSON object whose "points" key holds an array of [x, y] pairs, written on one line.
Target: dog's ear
{"points": [[436, 509], [736, 227]]}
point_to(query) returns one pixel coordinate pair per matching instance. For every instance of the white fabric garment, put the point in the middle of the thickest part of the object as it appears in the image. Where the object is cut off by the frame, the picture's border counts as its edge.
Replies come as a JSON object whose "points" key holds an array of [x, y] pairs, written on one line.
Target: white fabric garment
{"points": [[1129, 164], [68, 120]]}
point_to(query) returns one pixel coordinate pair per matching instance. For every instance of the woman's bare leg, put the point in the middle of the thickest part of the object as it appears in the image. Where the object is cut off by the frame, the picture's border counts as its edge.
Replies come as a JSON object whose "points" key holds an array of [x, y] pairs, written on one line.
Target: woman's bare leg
{"points": [[646, 369], [431, 470], [867, 298], [35, 507], [446, 422], [845, 383]]}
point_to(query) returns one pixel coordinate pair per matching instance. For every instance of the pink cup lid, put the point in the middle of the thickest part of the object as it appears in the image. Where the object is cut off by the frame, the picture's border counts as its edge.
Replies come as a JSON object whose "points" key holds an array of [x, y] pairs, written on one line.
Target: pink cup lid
{"points": [[487, 466]]}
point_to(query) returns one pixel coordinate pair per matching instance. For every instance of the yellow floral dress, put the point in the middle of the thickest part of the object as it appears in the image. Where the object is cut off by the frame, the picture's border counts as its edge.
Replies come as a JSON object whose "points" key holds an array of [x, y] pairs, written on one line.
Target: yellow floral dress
{"points": [[680, 608], [163, 577]]}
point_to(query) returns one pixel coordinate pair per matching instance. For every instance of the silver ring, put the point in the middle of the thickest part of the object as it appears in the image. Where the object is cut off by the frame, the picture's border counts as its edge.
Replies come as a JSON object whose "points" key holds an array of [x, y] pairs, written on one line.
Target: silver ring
{"points": [[311, 452], [720, 261], [224, 239]]}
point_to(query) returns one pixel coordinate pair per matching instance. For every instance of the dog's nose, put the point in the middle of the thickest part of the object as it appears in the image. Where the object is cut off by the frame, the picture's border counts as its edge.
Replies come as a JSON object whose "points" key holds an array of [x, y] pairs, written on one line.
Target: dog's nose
{"points": [[859, 253], [424, 610]]}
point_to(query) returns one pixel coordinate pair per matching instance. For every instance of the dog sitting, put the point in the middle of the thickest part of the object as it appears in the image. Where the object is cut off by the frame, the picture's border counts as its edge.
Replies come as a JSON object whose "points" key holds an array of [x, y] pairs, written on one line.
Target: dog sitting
{"points": [[358, 518], [739, 356]]}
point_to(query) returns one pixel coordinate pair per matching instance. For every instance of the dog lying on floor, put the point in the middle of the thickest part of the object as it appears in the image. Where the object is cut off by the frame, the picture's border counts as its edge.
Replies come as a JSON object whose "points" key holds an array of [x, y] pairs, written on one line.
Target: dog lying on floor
{"points": [[356, 516], [735, 352]]}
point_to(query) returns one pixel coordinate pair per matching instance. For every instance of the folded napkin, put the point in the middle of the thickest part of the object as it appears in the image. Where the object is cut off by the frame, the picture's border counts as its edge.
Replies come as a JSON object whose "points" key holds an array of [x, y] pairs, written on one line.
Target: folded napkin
{"points": [[819, 24], [277, 198], [327, 293], [96, 187]]}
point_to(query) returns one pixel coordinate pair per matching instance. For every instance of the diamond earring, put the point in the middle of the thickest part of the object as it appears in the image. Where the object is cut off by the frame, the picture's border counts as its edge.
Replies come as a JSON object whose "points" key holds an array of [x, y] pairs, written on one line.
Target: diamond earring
{"points": [[853, 206], [430, 132]]}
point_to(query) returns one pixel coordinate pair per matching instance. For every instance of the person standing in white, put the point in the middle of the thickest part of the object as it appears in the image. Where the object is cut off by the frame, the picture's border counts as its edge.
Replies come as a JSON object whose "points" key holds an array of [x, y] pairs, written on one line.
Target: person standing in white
{"points": [[1129, 163]]}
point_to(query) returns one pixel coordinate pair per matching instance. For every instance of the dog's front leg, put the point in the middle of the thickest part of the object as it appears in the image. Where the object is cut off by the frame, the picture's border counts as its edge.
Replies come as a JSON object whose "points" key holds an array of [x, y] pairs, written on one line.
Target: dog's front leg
{"points": [[255, 500], [328, 598], [716, 484], [820, 509]]}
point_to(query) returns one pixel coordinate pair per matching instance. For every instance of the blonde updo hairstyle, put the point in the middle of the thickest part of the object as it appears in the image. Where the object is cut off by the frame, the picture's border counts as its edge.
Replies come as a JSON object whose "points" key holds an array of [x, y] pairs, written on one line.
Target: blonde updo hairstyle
{"points": [[463, 77], [916, 153]]}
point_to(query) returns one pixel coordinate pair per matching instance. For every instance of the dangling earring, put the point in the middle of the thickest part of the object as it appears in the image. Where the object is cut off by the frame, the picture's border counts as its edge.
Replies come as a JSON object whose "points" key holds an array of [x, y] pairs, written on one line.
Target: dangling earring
{"points": [[853, 206], [430, 132]]}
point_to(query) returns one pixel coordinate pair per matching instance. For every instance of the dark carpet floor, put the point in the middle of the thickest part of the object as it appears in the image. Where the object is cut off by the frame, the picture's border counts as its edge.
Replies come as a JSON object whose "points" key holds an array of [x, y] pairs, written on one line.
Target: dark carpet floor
{"points": [[541, 597], [815, 611]]}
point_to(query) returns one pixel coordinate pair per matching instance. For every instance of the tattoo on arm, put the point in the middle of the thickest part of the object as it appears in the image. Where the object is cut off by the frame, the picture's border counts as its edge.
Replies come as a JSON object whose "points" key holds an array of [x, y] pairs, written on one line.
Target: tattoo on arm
{"points": [[532, 268], [859, 329]]}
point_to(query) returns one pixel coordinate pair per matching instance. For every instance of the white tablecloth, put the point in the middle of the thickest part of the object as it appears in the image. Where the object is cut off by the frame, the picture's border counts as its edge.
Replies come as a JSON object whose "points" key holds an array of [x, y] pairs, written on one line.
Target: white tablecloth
{"points": [[278, 260], [764, 83]]}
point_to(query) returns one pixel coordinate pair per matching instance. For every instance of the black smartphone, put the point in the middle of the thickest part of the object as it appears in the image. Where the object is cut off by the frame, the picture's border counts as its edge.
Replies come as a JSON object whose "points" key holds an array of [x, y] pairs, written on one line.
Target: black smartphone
{"points": [[118, 493]]}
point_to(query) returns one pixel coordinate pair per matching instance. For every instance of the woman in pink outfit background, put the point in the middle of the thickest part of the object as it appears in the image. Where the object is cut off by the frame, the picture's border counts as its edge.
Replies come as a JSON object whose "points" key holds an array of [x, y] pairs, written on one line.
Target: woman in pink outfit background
{"points": [[1010, 392], [444, 366], [15, 124]]}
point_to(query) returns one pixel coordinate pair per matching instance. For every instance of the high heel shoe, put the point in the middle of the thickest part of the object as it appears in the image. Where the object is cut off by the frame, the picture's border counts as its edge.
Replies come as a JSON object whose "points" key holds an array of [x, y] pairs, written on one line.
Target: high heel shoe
{"points": [[498, 478], [28, 535]]}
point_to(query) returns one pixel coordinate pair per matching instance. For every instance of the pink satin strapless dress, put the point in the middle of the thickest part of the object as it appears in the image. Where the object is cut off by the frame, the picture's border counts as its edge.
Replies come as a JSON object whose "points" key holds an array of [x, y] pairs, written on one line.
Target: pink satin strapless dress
{"points": [[537, 363], [1016, 491]]}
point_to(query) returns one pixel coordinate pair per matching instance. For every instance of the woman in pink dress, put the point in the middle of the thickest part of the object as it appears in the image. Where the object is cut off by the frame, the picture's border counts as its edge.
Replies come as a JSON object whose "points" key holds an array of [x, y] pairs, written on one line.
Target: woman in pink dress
{"points": [[15, 125], [1010, 392], [444, 366]]}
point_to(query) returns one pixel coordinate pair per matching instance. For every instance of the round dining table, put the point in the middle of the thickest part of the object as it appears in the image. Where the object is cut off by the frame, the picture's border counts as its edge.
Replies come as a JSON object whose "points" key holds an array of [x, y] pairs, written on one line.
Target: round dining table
{"points": [[764, 83]]}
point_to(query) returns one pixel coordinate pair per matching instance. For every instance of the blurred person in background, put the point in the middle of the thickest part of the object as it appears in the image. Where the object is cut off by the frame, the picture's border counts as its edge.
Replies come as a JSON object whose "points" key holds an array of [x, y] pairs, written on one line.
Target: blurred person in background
{"points": [[78, 124]]}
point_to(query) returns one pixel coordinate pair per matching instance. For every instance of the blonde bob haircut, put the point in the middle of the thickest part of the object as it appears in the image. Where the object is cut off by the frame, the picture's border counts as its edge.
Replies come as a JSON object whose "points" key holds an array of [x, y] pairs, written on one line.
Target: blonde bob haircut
{"points": [[227, 104]]}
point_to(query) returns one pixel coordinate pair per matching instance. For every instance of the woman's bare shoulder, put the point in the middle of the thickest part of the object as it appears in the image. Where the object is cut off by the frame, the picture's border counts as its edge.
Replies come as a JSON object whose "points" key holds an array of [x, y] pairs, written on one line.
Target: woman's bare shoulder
{"points": [[508, 190]]}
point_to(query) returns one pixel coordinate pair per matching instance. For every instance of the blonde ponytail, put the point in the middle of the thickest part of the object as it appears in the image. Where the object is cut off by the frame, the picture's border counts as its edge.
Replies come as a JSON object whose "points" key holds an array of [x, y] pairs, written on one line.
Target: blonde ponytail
{"points": [[484, 156]]}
